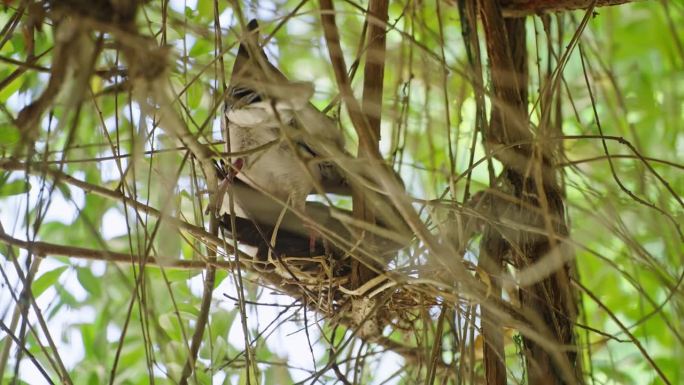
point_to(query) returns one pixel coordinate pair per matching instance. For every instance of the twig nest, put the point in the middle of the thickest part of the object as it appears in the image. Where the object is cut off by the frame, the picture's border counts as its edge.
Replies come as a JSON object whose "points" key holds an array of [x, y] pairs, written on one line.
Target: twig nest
{"points": [[364, 316]]}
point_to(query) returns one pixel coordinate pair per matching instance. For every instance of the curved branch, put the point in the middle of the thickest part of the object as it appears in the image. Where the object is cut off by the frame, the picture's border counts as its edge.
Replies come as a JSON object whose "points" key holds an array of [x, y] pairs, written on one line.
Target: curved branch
{"points": [[45, 248], [517, 8]]}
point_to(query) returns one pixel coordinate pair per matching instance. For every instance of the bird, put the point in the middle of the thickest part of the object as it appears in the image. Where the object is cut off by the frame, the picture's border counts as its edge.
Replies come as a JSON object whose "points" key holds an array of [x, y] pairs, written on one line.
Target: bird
{"points": [[280, 144]]}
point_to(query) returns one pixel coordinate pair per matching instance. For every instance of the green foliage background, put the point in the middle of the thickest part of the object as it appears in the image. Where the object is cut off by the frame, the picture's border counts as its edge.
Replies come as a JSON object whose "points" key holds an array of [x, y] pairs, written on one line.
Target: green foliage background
{"points": [[629, 252]]}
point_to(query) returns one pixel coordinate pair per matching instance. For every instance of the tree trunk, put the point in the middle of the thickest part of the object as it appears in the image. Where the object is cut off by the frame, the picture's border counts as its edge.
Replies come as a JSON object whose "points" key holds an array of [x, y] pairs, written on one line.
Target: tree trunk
{"points": [[526, 195]]}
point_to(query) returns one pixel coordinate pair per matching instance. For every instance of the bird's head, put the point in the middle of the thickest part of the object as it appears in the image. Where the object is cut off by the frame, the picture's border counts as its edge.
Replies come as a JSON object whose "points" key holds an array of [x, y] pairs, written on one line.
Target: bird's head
{"points": [[253, 72]]}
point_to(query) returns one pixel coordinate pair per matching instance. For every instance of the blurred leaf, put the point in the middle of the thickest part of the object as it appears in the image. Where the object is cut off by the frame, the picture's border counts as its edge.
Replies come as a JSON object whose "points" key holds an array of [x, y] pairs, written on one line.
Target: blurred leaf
{"points": [[168, 241], [220, 276], [14, 188], [89, 281], [201, 47], [10, 89], [221, 321], [9, 135], [206, 9], [169, 323], [195, 92], [203, 377], [66, 298], [47, 280], [8, 48], [278, 374]]}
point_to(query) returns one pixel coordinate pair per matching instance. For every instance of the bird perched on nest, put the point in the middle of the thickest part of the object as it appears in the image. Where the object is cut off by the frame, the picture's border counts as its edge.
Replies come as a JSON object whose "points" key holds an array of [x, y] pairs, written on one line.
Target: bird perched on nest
{"points": [[280, 137], [282, 146]]}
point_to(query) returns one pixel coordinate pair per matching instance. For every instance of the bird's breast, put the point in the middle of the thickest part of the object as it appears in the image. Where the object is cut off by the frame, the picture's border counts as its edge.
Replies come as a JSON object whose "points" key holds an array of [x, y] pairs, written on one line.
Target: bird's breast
{"points": [[280, 173], [248, 138]]}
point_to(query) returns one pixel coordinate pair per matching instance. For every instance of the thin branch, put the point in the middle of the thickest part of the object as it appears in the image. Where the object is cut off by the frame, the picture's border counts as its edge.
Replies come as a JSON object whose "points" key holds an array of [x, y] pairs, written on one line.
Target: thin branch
{"points": [[203, 316], [374, 69], [367, 138], [33, 359], [625, 330], [44, 249], [517, 8], [573, 162]]}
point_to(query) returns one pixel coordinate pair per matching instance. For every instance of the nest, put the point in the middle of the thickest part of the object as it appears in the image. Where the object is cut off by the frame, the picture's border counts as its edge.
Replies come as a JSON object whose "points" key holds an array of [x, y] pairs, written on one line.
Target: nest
{"points": [[318, 269]]}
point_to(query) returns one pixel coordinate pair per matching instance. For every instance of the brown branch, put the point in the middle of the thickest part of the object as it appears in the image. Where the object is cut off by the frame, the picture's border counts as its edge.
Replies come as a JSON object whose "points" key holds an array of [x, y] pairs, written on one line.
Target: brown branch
{"points": [[508, 117], [367, 139], [574, 162], [374, 70], [517, 8], [210, 278], [373, 77], [367, 134], [44, 249], [203, 316], [529, 179], [491, 263], [506, 125]]}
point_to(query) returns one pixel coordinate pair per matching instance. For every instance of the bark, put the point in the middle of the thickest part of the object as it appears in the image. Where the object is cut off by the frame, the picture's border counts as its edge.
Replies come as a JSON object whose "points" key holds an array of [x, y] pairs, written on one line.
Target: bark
{"points": [[365, 118], [517, 8], [373, 78], [527, 195]]}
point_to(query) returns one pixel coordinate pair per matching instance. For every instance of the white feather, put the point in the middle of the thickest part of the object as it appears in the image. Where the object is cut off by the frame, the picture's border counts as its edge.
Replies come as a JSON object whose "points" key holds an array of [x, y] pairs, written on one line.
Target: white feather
{"points": [[262, 114]]}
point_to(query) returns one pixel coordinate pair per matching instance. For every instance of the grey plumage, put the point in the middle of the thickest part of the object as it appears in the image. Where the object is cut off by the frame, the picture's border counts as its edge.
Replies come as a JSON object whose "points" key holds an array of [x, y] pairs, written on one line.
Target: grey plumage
{"points": [[284, 143]]}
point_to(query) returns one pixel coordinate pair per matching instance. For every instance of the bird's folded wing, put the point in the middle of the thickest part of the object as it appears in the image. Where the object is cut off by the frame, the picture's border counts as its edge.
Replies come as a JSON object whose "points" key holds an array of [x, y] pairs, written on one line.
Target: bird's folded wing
{"points": [[262, 216]]}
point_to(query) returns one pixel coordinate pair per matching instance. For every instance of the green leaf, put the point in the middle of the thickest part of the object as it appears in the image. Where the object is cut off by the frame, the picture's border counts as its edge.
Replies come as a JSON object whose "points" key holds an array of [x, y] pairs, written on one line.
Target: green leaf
{"points": [[221, 321], [8, 251], [9, 135], [195, 92], [47, 280], [10, 88], [88, 335], [201, 47], [14, 188], [89, 281], [169, 323], [8, 48], [206, 9], [220, 276]]}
